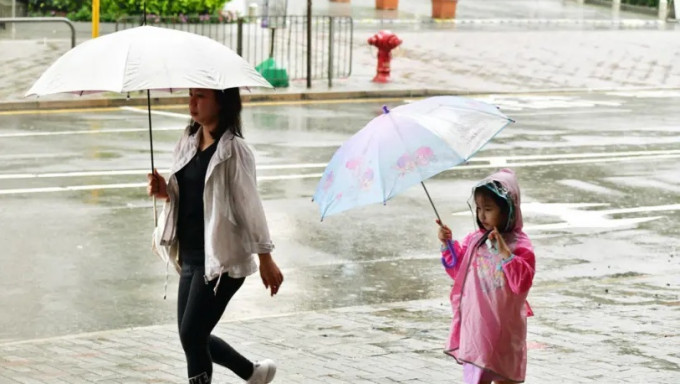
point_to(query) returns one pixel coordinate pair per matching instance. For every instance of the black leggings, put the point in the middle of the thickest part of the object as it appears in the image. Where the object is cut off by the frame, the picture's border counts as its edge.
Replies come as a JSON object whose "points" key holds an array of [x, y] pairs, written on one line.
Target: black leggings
{"points": [[198, 311]]}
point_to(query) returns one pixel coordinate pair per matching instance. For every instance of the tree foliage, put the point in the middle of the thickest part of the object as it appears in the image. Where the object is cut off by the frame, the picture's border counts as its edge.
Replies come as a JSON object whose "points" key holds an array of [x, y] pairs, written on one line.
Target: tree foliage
{"points": [[110, 10]]}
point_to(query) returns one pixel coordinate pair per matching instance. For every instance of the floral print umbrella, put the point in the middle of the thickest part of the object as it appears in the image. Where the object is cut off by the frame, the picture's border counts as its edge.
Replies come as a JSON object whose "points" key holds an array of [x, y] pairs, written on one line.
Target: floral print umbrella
{"points": [[403, 147]]}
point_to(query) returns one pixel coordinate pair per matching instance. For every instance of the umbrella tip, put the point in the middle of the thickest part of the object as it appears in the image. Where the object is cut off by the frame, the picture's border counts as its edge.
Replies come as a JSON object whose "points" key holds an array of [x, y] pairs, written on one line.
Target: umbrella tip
{"points": [[385, 109]]}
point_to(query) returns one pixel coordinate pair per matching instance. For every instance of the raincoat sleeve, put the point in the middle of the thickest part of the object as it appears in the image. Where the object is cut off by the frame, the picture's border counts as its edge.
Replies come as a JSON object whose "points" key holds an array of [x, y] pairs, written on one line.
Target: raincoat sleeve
{"points": [[460, 251], [246, 204], [519, 270]]}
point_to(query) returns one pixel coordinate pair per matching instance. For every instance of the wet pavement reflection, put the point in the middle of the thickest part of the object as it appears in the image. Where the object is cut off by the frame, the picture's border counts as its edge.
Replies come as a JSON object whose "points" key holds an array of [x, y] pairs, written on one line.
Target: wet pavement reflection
{"points": [[598, 172]]}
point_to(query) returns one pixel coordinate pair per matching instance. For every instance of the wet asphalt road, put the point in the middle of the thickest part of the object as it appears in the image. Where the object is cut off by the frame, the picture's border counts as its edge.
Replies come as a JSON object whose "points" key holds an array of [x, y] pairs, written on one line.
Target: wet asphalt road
{"points": [[599, 176]]}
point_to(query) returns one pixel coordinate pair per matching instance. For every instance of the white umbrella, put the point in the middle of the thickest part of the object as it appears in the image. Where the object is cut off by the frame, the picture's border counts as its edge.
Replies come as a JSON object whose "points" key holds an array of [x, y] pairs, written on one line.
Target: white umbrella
{"points": [[146, 58]]}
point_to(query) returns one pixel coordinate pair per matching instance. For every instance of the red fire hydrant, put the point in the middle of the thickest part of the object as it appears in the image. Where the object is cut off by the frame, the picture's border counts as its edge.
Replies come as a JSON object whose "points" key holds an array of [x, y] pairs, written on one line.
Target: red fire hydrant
{"points": [[385, 41]]}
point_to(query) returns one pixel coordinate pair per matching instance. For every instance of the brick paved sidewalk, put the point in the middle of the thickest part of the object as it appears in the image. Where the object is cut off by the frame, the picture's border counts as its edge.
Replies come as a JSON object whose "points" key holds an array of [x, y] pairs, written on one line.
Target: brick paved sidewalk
{"points": [[392, 343]]}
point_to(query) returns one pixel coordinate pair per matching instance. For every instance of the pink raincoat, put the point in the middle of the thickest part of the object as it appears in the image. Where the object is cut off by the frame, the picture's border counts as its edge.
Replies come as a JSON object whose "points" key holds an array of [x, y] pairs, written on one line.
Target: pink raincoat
{"points": [[488, 297]]}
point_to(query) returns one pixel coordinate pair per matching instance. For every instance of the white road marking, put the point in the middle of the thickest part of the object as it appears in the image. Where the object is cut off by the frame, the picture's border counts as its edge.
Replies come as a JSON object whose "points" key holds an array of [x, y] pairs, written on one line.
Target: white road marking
{"points": [[532, 102], [21, 191], [130, 172], [646, 182], [590, 187], [75, 174], [155, 112], [582, 217], [601, 224], [291, 166], [23, 156], [85, 132], [493, 162], [290, 177], [501, 163], [593, 111], [578, 155], [648, 94], [671, 207], [526, 207]]}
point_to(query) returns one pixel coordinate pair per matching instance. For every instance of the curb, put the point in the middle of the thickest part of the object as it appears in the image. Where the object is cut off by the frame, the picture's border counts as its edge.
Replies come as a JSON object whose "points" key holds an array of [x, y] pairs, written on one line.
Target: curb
{"points": [[305, 96], [245, 97], [508, 21]]}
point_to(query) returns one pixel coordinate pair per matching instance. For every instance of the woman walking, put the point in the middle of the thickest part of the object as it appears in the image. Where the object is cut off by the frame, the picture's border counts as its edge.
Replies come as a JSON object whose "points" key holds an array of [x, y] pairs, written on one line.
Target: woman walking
{"points": [[211, 226]]}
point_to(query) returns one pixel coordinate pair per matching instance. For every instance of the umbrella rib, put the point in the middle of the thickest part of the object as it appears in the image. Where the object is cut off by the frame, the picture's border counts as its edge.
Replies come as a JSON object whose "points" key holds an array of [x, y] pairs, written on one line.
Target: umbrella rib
{"points": [[508, 122], [500, 114], [394, 183], [378, 170], [124, 76], [466, 156], [401, 139]]}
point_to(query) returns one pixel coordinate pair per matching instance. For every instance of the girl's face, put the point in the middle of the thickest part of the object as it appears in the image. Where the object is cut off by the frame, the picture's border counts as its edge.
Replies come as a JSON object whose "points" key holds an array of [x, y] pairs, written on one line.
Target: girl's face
{"points": [[203, 106], [489, 213]]}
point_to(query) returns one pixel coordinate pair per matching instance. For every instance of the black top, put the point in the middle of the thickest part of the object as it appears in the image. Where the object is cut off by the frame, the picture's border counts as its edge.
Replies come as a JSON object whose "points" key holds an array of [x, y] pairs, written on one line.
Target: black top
{"points": [[190, 231]]}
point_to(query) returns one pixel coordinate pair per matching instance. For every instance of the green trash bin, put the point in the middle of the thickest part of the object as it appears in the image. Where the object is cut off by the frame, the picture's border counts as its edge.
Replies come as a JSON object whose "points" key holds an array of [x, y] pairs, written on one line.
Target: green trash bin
{"points": [[275, 75]]}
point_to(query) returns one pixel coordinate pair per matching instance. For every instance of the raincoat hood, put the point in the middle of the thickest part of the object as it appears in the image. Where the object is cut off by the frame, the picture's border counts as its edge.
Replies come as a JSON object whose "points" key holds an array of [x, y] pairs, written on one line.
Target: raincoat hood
{"points": [[504, 183]]}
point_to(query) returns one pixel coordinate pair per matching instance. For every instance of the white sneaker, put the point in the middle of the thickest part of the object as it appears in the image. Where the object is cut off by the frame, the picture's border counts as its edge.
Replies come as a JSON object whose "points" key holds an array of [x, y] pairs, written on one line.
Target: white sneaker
{"points": [[263, 373]]}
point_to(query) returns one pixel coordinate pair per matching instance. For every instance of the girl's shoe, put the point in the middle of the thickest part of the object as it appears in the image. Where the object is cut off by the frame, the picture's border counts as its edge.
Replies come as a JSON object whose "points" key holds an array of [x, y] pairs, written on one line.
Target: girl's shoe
{"points": [[263, 373]]}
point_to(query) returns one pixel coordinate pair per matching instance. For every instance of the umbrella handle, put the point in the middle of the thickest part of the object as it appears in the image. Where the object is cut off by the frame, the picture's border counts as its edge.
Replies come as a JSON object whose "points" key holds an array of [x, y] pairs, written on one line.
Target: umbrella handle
{"points": [[449, 244], [454, 258], [431, 203], [153, 168], [155, 215]]}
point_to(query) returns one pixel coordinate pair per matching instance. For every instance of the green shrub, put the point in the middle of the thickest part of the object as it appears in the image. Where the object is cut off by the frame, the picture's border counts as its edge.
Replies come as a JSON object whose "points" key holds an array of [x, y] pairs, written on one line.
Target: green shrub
{"points": [[111, 10], [644, 3]]}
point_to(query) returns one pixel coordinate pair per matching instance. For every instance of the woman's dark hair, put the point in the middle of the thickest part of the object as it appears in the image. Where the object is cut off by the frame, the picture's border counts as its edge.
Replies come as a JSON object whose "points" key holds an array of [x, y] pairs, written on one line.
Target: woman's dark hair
{"points": [[487, 191], [229, 120]]}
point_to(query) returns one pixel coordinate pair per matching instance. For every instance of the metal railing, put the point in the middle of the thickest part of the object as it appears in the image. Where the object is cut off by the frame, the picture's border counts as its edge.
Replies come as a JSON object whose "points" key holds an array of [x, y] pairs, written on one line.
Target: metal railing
{"points": [[661, 8], [282, 38], [10, 20]]}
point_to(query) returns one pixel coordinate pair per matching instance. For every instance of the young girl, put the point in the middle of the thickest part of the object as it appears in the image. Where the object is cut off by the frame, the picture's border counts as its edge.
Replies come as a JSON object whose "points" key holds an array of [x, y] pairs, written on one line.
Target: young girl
{"points": [[492, 276]]}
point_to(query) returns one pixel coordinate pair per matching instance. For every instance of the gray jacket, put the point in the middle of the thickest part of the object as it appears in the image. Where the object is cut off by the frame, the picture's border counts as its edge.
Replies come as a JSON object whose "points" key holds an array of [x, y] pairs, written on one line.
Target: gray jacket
{"points": [[235, 223]]}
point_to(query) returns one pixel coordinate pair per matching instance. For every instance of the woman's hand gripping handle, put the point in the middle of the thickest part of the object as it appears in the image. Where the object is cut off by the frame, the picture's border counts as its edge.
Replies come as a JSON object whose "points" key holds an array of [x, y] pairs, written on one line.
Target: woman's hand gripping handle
{"points": [[157, 188]]}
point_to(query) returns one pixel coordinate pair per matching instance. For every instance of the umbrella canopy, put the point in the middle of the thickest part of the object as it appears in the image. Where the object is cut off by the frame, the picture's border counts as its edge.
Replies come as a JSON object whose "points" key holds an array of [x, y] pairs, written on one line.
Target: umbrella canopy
{"points": [[403, 147], [147, 58]]}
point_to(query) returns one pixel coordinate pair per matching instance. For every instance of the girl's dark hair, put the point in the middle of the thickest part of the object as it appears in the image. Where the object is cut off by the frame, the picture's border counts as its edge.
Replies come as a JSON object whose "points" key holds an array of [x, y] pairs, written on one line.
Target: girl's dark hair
{"points": [[229, 120], [503, 204]]}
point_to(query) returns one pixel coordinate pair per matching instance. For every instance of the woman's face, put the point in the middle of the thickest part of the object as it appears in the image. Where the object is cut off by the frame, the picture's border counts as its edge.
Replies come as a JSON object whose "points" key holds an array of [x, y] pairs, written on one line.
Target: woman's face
{"points": [[489, 213], [203, 106]]}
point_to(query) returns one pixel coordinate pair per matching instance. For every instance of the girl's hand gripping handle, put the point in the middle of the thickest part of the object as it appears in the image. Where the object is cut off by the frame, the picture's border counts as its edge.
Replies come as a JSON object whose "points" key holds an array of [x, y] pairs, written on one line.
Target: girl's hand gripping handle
{"points": [[445, 237]]}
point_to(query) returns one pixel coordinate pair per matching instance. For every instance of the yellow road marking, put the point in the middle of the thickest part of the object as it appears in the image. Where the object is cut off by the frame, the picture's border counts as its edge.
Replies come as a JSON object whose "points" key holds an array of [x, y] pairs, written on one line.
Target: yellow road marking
{"points": [[47, 111], [183, 106]]}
